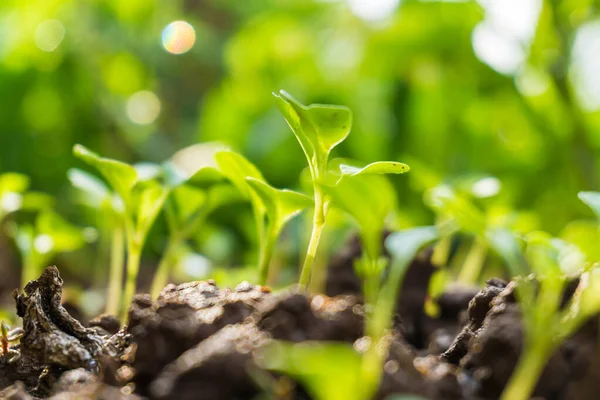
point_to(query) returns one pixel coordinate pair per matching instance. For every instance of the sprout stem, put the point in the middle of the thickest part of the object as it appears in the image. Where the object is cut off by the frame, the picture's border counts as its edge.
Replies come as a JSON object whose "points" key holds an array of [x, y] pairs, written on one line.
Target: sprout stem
{"points": [[267, 244], [473, 264], [530, 366], [115, 281], [134, 254], [161, 276], [315, 236]]}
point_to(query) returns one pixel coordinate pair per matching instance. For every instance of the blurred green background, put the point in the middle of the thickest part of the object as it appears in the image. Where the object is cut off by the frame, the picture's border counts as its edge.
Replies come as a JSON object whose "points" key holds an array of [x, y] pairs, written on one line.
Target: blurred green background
{"points": [[503, 88]]}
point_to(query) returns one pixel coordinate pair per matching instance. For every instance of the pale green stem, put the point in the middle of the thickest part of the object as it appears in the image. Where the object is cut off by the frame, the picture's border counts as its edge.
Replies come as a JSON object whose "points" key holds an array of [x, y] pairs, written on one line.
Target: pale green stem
{"points": [[115, 280], [165, 265], [530, 367], [315, 236], [267, 245], [473, 265], [441, 253], [134, 254]]}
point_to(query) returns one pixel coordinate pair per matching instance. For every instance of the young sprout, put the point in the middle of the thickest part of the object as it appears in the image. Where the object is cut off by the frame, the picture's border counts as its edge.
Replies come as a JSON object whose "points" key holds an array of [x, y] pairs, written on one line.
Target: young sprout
{"points": [[197, 190], [272, 208], [142, 201], [546, 325], [40, 242], [456, 213], [14, 195], [369, 198], [317, 364], [318, 128], [110, 219], [281, 205]]}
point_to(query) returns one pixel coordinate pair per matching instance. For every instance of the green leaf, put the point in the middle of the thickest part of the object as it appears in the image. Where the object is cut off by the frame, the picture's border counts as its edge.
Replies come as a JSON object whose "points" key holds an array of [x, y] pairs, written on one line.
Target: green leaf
{"points": [[187, 201], [446, 202], [379, 167], [194, 164], [150, 201], [88, 183], [281, 204], [404, 245], [318, 128], [120, 176], [13, 182], [237, 168], [592, 200], [369, 199], [504, 242], [64, 236], [317, 366]]}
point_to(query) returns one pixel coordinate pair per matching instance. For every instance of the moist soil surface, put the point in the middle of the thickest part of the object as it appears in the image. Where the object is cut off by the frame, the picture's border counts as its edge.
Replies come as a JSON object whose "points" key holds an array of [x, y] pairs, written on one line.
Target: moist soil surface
{"points": [[199, 341]]}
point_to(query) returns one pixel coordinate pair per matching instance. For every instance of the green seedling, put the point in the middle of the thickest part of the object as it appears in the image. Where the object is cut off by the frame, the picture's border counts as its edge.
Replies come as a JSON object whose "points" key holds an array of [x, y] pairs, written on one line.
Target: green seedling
{"points": [[317, 364], [111, 221], [197, 190], [318, 128], [281, 205], [38, 243], [456, 213], [272, 208], [15, 196], [546, 325], [369, 199], [142, 201]]}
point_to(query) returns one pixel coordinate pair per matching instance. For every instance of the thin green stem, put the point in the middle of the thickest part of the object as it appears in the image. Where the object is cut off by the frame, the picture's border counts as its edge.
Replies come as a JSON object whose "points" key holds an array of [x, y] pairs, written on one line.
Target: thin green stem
{"points": [[266, 254], [530, 366], [473, 264], [115, 280], [167, 261], [315, 236], [134, 254]]}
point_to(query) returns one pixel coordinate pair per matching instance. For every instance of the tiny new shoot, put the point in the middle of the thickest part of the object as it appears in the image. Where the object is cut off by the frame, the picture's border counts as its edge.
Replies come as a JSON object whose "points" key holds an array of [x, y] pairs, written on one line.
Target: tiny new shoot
{"points": [[367, 196], [456, 213], [546, 325], [111, 219], [40, 242], [318, 128], [281, 205], [142, 201], [317, 364], [272, 208], [196, 190]]}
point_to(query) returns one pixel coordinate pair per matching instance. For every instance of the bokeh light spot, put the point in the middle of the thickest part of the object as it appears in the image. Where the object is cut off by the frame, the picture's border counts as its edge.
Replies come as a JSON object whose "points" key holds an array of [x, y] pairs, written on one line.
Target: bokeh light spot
{"points": [[49, 34], [143, 107], [373, 10], [178, 37]]}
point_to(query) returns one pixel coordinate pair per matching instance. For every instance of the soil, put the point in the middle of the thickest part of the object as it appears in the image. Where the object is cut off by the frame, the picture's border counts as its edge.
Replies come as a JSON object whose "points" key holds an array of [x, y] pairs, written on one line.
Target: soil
{"points": [[199, 341]]}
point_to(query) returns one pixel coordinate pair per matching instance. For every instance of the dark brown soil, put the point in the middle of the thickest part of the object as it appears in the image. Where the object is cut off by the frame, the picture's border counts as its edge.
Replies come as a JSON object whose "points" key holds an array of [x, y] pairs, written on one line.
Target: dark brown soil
{"points": [[198, 341]]}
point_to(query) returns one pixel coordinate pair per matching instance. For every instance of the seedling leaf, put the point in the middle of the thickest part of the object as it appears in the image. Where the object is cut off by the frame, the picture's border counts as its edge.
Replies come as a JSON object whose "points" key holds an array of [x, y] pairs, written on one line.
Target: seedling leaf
{"points": [[281, 204], [65, 236], [151, 200], [592, 200], [13, 182], [318, 127], [121, 177], [237, 168], [88, 183], [369, 199], [317, 366], [379, 167]]}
